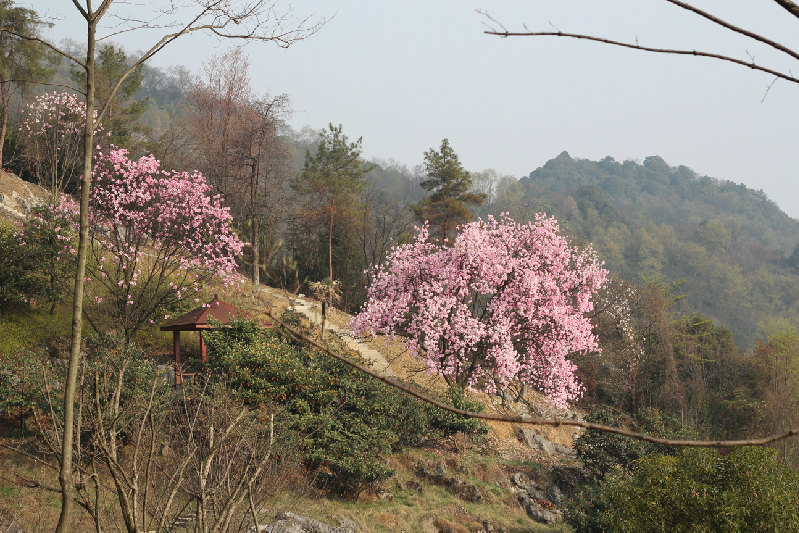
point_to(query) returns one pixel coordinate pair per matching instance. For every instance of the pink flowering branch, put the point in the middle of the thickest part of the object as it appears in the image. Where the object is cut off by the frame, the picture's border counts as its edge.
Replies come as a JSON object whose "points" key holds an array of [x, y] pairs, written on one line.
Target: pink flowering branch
{"points": [[51, 134]]}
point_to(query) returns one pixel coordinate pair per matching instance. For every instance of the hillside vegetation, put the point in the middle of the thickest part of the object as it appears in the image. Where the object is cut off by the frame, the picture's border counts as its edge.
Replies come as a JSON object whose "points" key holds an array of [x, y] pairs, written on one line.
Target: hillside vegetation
{"points": [[735, 252]]}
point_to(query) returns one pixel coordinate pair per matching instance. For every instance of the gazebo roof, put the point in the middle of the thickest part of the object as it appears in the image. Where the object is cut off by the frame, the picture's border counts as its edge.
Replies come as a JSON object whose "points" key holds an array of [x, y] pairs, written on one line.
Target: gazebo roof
{"points": [[198, 318]]}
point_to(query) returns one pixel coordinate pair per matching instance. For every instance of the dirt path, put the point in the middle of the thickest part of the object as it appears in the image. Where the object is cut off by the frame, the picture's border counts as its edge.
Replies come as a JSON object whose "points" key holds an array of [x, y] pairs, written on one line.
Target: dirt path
{"points": [[313, 311]]}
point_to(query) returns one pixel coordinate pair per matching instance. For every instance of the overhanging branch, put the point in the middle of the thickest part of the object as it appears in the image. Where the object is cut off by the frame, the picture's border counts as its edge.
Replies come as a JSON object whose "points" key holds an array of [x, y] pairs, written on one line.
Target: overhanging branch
{"points": [[220, 19], [43, 43], [738, 29], [635, 46], [790, 6], [532, 420]]}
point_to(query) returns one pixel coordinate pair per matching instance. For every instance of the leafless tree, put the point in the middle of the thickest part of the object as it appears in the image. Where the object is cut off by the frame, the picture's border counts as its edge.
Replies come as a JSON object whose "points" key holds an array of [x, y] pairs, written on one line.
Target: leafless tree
{"points": [[259, 194], [165, 456], [236, 139], [380, 224]]}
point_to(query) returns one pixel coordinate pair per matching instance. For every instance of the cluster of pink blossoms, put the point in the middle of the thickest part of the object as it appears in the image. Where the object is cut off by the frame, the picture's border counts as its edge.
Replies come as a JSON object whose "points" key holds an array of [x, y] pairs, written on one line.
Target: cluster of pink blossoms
{"points": [[57, 111], [157, 237], [136, 200], [60, 221], [506, 301]]}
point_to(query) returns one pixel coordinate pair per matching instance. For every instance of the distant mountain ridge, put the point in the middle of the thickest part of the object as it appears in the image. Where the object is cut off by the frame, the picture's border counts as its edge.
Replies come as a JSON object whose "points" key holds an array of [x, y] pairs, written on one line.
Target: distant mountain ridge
{"points": [[669, 195], [735, 249]]}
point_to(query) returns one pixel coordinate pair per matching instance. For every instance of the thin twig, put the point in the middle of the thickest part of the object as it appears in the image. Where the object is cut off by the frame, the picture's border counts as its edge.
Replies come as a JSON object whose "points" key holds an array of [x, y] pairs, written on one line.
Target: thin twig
{"points": [[697, 53]]}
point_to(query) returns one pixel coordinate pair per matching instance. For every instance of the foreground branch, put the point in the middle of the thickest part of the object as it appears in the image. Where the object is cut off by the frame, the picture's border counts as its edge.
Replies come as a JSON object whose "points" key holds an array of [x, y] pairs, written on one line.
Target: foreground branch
{"points": [[737, 29], [498, 29], [533, 420], [636, 46], [790, 6]]}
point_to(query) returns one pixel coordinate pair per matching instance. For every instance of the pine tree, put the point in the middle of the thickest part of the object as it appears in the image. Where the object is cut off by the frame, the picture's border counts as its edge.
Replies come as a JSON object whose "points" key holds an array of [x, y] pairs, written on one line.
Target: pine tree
{"points": [[448, 205], [22, 61], [332, 176]]}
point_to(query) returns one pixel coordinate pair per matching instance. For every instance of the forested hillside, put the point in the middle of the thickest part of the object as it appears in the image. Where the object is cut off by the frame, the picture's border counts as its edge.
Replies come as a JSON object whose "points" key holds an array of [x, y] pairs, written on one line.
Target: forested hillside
{"points": [[733, 248]]}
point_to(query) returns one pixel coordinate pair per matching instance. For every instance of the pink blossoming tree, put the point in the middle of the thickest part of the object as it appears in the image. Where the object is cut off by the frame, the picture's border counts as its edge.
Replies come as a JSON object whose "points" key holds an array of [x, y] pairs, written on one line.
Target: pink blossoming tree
{"points": [[157, 237], [506, 301], [51, 136]]}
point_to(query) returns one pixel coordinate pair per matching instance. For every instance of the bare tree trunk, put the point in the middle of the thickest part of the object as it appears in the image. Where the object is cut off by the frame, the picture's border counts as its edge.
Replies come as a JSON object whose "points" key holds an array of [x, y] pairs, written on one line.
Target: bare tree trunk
{"points": [[330, 239], [256, 253], [65, 475], [3, 118]]}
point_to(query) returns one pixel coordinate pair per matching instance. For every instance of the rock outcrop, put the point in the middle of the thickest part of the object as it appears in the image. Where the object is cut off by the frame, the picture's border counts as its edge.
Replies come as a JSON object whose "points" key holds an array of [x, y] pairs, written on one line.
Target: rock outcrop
{"points": [[287, 522], [18, 197], [438, 475], [539, 500]]}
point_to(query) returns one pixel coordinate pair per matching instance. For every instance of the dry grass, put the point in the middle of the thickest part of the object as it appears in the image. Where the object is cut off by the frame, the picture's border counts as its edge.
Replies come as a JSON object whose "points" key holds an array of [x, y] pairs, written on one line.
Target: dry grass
{"points": [[411, 504]]}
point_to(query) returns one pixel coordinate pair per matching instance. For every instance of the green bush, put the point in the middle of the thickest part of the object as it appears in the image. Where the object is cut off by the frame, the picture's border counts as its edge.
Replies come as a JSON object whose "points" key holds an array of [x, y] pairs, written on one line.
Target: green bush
{"points": [[21, 385], [450, 423], [606, 456], [349, 421], [37, 260], [703, 490], [602, 453]]}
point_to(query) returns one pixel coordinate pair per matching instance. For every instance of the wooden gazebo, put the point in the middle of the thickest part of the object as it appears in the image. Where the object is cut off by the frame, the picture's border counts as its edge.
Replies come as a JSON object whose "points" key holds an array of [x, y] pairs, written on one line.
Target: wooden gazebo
{"points": [[198, 320]]}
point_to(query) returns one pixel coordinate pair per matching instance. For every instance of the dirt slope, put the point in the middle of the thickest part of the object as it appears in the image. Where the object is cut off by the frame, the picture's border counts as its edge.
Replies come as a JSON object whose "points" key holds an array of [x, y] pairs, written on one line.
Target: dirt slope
{"points": [[17, 197]]}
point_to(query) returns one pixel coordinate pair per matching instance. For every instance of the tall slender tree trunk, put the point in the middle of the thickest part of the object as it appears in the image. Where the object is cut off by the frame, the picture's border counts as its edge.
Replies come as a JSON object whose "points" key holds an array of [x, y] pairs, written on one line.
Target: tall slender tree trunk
{"points": [[255, 226], [3, 118], [330, 239], [256, 252], [65, 477]]}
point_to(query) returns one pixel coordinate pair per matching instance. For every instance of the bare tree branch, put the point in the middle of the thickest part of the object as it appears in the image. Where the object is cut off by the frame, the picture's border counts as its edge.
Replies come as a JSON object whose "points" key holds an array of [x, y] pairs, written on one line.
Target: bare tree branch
{"points": [[790, 6], [736, 29], [635, 46], [83, 12], [534, 420], [44, 43], [46, 84], [221, 17], [498, 29]]}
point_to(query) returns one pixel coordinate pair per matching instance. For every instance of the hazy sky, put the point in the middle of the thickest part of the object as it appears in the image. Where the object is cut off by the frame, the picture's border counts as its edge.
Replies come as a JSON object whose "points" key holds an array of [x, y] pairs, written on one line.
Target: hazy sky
{"points": [[405, 74]]}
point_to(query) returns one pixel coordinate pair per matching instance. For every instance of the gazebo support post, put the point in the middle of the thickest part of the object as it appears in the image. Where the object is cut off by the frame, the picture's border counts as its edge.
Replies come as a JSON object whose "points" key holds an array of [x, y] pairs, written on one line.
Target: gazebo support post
{"points": [[176, 348], [203, 350]]}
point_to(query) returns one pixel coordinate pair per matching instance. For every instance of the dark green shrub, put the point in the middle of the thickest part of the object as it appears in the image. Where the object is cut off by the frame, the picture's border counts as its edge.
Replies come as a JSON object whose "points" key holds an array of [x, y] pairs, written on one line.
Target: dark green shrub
{"points": [[606, 456], [602, 452], [37, 260], [449, 423], [703, 490], [22, 386], [350, 421]]}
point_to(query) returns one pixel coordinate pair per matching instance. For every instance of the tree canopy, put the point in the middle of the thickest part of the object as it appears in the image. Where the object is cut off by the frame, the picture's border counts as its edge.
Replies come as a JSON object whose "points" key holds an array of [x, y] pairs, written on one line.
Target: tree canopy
{"points": [[331, 176]]}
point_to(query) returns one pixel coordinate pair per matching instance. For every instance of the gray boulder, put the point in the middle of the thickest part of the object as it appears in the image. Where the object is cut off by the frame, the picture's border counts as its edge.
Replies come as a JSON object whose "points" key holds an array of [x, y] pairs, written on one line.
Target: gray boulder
{"points": [[287, 522], [538, 442], [538, 512]]}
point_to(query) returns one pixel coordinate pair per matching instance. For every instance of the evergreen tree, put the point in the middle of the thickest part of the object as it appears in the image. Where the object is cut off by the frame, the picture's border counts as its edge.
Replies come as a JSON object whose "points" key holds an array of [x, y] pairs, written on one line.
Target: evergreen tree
{"points": [[331, 178], [22, 61], [123, 111], [448, 205]]}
